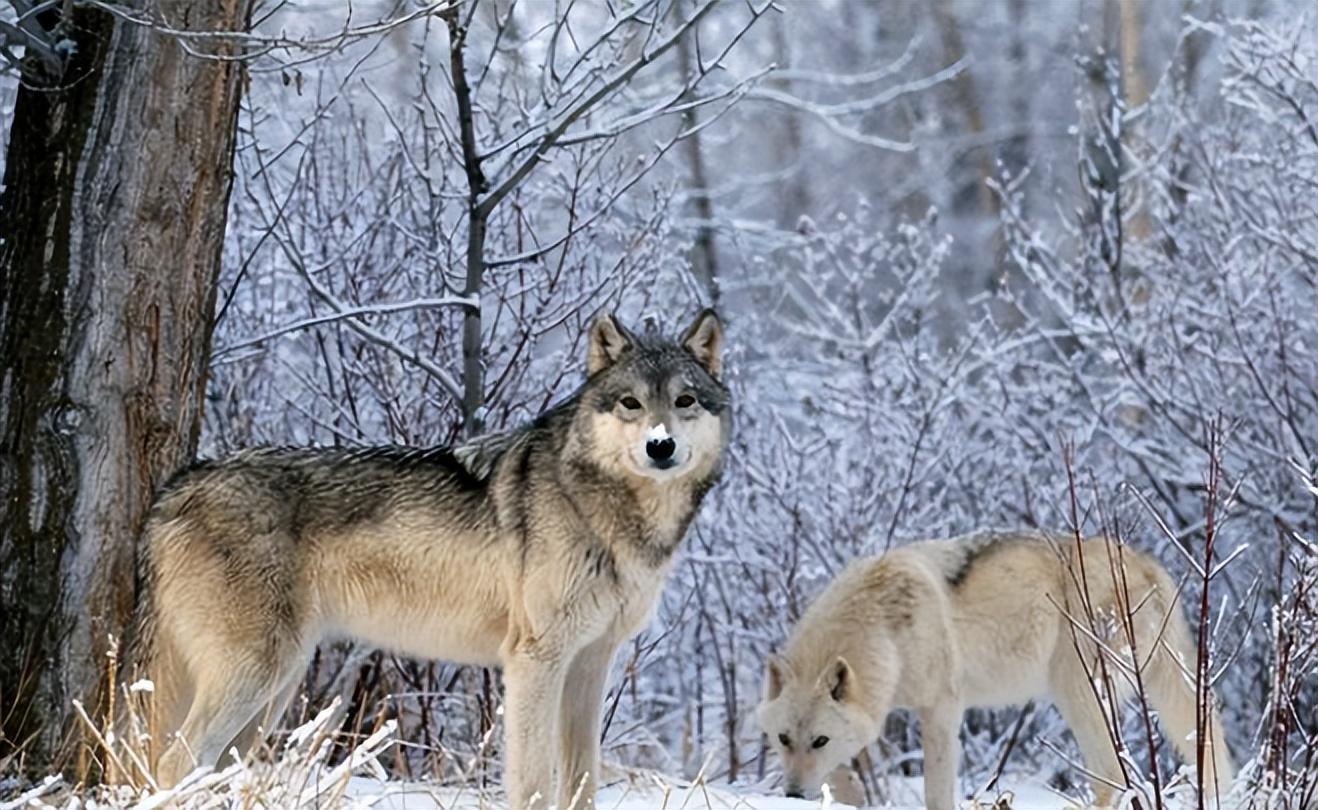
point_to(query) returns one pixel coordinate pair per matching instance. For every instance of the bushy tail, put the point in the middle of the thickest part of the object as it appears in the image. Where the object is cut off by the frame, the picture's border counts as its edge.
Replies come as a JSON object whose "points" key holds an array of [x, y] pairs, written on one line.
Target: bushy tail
{"points": [[140, 644], [153, 673]]}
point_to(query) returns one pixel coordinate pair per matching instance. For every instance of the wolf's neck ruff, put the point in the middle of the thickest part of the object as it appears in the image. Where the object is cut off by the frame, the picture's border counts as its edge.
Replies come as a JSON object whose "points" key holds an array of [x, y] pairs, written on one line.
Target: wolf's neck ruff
{"points": [[647, 518]]}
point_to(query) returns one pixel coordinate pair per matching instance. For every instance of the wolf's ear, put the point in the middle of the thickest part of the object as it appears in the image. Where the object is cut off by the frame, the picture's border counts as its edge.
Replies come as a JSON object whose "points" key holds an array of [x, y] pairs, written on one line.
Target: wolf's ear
{"points": [[775, 675], [704, 339], [840, 680], [608, 340]]}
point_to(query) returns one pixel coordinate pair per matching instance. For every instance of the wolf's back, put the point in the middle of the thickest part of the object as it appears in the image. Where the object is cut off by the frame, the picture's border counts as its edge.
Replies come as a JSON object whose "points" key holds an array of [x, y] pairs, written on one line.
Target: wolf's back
{"points": [[250, 516]]}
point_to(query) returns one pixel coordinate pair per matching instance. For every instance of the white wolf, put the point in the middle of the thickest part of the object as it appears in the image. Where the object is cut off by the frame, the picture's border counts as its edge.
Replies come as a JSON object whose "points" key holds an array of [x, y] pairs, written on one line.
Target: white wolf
{"points": [[539, 550], [989, 619]]}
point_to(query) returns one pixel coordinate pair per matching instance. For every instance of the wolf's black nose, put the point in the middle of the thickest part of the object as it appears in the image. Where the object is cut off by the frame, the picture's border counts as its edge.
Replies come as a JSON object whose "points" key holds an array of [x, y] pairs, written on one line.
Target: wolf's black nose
{"points": [[660, 449], [795, 793]]}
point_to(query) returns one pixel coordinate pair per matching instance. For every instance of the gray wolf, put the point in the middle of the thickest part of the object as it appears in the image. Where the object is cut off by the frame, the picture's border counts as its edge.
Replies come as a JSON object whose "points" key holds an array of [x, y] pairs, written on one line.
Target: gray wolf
{"points": [[989, 619], [539, 551]]}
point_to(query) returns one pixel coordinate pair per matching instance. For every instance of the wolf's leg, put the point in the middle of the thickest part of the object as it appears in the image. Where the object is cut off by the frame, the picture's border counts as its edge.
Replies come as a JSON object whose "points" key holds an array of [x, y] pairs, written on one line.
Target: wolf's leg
{"points": [[166, 706], [259, 727], [533, 690], [583, 698], [1075, 699], [939, 728], [846, 786], [225, 703], [1172, 692]]}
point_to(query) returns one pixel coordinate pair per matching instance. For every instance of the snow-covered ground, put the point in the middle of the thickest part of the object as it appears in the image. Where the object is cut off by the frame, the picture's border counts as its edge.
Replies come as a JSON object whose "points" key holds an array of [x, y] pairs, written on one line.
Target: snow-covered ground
{"points": [[371, 793], [306, 774]]}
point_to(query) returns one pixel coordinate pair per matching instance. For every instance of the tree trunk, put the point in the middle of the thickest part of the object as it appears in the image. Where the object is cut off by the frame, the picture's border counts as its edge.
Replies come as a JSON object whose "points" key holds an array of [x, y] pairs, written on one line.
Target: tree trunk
{"points": [[1103, 121], [1016, 151], [704, 255], [478, 213], [1136, 90], [116, 189], [1132, 70], [1192, 53], [967, 97], [794, 201]]}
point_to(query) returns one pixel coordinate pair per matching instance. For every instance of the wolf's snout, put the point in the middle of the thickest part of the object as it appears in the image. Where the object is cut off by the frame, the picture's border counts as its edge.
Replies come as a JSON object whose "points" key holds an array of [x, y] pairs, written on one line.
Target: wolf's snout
{"points": [[795, 793], [660, 449]]}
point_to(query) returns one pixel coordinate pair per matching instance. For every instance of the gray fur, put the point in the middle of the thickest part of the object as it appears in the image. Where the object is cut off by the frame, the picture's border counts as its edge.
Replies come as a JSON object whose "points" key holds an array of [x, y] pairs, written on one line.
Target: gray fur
{"points": [[540, 549], [965, 552]]}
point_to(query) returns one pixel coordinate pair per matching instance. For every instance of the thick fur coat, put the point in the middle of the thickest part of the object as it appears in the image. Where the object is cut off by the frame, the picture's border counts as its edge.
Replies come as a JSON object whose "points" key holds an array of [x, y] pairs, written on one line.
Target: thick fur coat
{"points": [[539, 551], [990, 619]]}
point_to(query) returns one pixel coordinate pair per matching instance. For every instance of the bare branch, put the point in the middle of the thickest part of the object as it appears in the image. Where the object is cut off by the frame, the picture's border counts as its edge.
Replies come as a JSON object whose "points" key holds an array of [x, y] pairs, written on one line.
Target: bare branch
{"points": [[255, 46], [513, 175]]}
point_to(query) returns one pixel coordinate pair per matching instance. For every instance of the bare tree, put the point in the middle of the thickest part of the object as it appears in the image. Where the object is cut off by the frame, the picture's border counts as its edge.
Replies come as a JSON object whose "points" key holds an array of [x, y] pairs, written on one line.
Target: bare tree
{"points": [[575, 82]]}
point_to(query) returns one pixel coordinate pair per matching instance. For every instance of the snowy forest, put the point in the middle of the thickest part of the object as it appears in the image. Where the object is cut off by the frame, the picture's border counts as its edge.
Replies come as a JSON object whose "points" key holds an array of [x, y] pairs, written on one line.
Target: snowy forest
{"points": [[1028, 264]]}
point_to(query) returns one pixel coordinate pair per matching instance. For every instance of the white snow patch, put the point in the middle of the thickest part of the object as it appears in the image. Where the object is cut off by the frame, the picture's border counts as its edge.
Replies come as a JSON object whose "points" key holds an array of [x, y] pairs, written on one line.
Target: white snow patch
{"points": [[419, 796], [657, 433], [144, 685], [645, 795]]}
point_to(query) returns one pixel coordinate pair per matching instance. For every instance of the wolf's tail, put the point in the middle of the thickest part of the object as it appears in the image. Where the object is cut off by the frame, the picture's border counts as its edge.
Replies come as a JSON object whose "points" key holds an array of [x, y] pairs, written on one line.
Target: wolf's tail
{"points": [[1171, 685], [152, 668], [140, 642]]}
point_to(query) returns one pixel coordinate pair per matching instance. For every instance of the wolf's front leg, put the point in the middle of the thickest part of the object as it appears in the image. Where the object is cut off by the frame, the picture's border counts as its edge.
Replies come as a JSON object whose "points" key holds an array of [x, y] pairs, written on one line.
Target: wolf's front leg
{"points": [[939, 728], [846, 786], [533, 690], [583, 699]]}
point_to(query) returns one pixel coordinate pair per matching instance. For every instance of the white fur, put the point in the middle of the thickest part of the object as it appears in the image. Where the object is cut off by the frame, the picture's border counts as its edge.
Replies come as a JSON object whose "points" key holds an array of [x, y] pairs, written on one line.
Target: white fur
{"points": [[894, 632]]}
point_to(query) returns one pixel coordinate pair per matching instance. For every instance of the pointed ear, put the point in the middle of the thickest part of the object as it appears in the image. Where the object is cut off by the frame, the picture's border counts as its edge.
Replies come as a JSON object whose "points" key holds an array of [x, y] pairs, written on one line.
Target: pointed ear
{"points": [[705, 340], [775, 675], [839, 680], [608, 340]]}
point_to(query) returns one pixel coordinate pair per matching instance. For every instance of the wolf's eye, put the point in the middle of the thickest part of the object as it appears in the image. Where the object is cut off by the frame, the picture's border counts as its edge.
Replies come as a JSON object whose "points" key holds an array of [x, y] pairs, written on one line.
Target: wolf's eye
{"points": [[631, 403], [819, 742], [785, 740], [685, 401]]}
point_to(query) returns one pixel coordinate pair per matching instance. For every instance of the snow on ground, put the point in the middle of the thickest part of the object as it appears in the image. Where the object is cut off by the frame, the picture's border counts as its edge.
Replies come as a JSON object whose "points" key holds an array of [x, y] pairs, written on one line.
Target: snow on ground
{"points": [[306, 775], [371, 793]]}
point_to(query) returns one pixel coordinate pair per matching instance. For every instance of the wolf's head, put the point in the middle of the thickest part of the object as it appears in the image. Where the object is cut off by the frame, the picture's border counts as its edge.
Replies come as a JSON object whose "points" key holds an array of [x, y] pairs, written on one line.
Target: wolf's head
{"points": [[655, 408], [814, 721]]}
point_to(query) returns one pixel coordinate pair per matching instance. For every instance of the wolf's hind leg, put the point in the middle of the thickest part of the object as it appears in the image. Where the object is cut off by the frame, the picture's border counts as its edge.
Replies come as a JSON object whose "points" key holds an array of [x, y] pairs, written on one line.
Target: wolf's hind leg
{"points": [[226, 701], [266, 720], [1172, 692], [1075, 699], [166, 705], [583, 699]]}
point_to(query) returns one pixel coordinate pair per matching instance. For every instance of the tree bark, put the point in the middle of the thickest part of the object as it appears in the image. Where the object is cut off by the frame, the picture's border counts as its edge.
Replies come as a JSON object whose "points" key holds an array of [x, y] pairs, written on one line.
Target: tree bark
{"points": [[112, 217], [1136, 90], [1132, 71]]}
